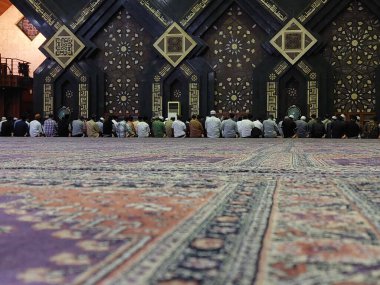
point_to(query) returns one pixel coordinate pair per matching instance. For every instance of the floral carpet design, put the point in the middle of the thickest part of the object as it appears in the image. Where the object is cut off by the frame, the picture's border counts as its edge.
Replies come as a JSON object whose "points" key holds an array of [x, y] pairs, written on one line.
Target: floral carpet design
{"points": [[189, 211]]}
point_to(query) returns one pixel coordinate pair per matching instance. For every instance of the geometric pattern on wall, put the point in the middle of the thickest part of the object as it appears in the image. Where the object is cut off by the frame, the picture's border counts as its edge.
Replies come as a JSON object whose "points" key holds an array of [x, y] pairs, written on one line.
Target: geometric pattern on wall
{"points": [[124, 56], [64, 46], [175, 44], [27, 28], [354, 53], [293, 41], [234, 52]]}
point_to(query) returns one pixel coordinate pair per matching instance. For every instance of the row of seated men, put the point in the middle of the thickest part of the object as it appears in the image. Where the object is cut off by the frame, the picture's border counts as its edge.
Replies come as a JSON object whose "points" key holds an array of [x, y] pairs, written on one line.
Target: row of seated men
{"points": [[211, 127]]}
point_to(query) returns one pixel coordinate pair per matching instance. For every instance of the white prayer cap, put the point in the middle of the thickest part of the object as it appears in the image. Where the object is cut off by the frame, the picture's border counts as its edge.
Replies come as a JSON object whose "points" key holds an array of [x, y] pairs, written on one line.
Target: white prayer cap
{"points": [[303, 118], [213, 112]]}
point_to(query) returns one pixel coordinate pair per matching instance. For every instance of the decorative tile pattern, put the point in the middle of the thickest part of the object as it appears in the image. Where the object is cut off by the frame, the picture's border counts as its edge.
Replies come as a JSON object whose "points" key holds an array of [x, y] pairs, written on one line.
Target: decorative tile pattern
{"points": [[27, 28], [353, 52], [175, 44], [293, 41], [234, 52], [124, 58], [64, 46]]}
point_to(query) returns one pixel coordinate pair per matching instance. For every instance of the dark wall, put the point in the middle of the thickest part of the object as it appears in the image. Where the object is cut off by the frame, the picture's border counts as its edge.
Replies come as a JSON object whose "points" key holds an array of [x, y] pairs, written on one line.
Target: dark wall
{"points": [[233, 67]]}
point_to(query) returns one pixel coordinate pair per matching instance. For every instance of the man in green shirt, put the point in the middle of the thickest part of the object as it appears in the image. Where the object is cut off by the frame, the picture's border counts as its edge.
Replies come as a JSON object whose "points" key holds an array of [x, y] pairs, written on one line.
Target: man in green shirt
{"points": [[158, 127]]}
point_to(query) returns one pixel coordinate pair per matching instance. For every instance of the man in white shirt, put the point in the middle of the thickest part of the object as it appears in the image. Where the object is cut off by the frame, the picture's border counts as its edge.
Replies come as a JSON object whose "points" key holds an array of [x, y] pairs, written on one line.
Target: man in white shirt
{"points": [[143, 129], [35, 127], [3, 119], [213, 125], [179, 128], [246, 127], [258, 124]]}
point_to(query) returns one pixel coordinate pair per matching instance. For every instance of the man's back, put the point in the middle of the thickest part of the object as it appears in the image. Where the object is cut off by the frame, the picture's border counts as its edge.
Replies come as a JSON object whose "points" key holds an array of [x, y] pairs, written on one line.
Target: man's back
{"points": [[229, 128], [302, 129], [21, 129], [143, 130], [213, 125], [270, 129]]}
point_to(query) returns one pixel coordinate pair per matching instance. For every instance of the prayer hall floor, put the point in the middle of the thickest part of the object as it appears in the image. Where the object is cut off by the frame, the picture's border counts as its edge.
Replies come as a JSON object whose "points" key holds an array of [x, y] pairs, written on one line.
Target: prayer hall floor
{"points": [[189, 211]]}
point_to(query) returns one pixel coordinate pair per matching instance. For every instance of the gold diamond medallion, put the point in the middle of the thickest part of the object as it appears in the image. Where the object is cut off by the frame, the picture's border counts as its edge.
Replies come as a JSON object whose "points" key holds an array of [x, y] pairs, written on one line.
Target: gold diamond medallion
{"points": [[175, 44], [64, 46], [293, 41]]}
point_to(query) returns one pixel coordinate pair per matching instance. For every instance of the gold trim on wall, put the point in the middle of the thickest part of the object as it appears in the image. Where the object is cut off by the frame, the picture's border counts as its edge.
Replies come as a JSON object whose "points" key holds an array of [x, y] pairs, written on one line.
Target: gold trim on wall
{"points": [[311, 10], [83, 90], [84, 14], [312, 88], [157, 107], [48, 90], [275, 10], [45, 14], [174, 54], [194, 11], [155, 12], [64, 46], [272, 87], [293, 41], [313, 97], [272, 92]]}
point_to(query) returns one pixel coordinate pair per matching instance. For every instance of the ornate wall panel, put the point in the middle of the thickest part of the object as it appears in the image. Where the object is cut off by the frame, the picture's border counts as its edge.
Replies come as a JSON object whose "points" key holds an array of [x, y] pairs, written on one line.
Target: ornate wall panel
{"points": [[125, 58], [312, 88], [28, 28], [272, 87], [157, 90], [353, 52], [83, 90], [234, 52], [48, 90]]}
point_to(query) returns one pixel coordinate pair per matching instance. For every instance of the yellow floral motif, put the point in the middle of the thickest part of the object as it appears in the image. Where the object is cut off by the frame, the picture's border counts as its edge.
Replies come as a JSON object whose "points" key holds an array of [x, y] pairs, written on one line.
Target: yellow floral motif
{"points": [[46, 226], [5, 229], [92, 245], [15, 212], [41, 275], [66, 234], [30, 219], [66, 258], [149, 207]]}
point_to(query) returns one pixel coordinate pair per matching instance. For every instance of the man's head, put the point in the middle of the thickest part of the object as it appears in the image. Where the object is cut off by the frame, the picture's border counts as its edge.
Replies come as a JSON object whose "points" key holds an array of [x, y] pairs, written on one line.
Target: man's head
{"points": [[213, 113]]}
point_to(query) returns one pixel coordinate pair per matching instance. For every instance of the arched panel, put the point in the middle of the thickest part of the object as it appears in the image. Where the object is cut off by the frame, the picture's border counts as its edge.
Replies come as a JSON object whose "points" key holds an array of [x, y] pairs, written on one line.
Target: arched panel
{"points": [[125, 60], [176, 89], [234, 52], [67, 94], [293, 91], [353, 52]]}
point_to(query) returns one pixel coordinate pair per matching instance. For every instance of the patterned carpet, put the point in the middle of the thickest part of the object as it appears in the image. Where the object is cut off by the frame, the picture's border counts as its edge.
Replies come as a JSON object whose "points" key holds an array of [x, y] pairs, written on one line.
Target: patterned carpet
{"points": [[188, 211]]}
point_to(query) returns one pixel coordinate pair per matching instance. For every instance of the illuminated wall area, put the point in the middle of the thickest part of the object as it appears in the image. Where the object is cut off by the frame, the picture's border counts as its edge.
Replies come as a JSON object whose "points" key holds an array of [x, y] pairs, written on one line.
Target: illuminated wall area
{"points": [[19, 39]]}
